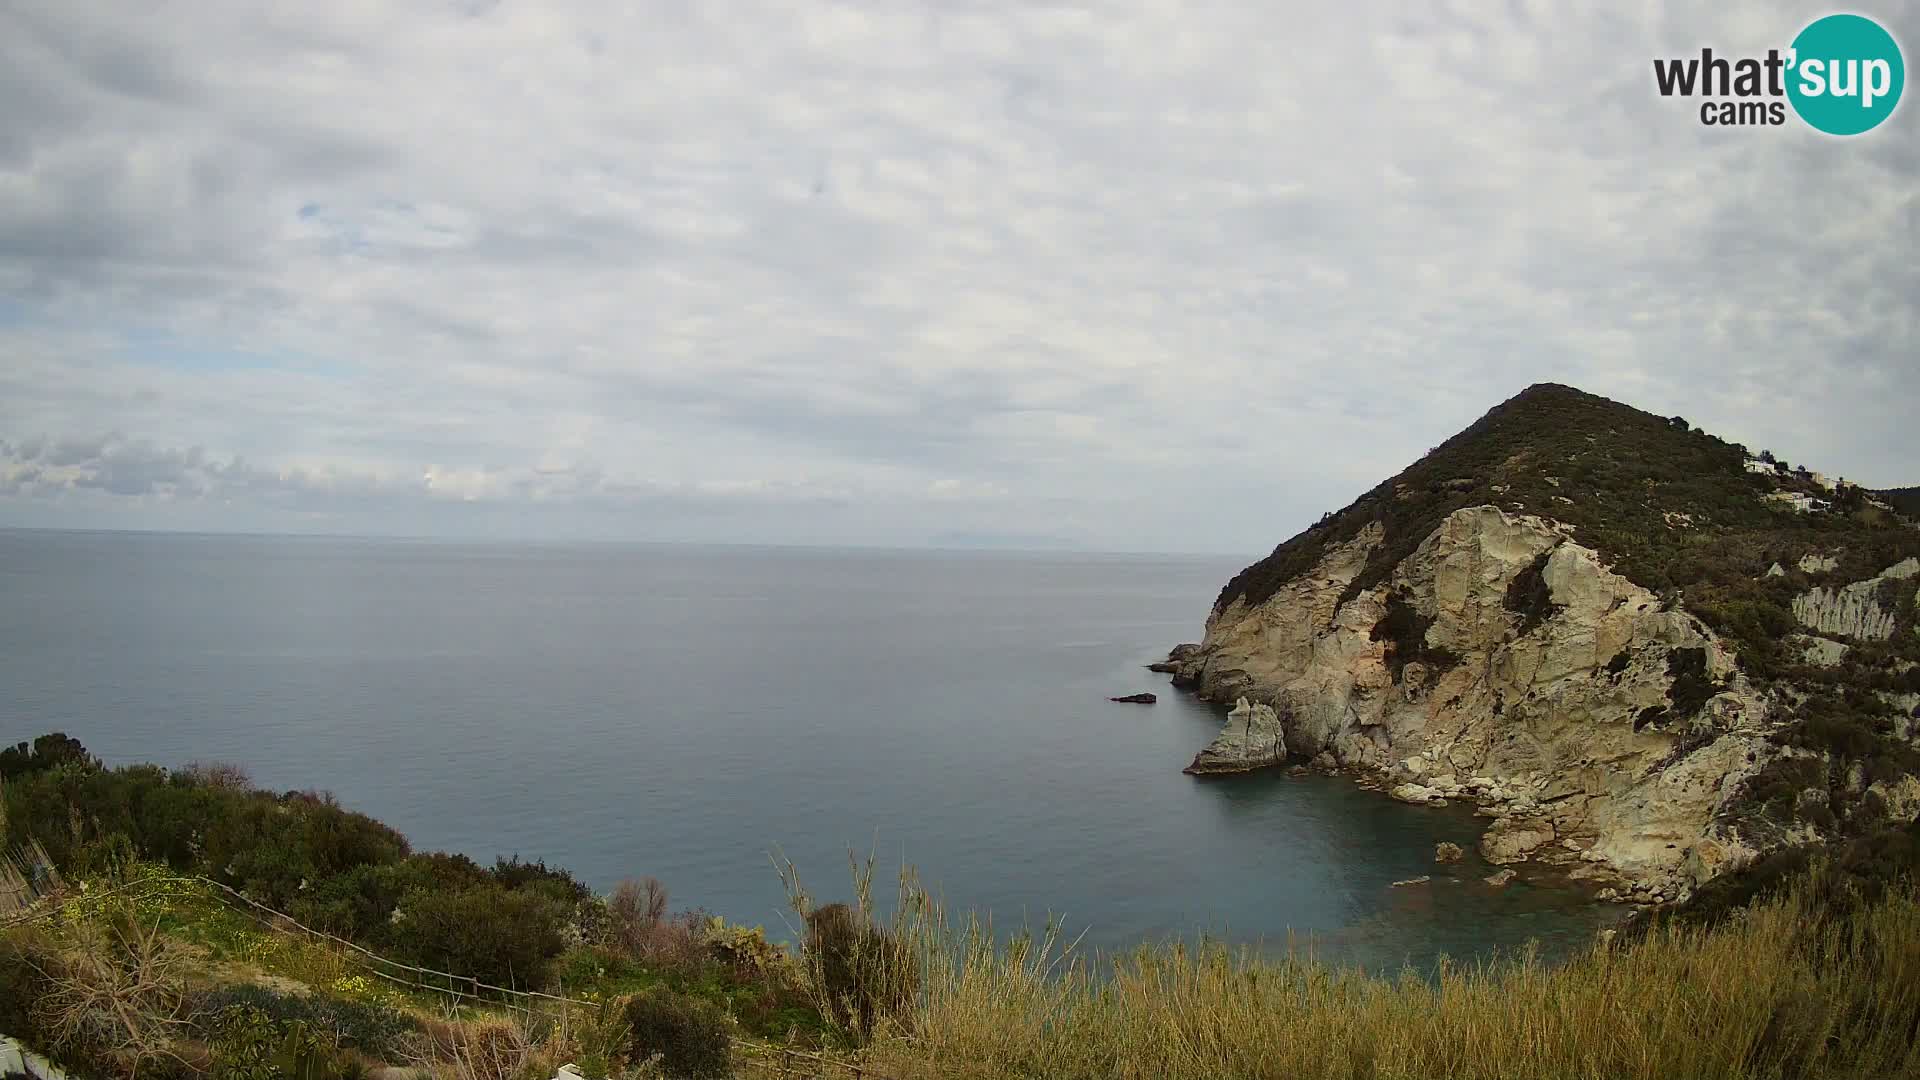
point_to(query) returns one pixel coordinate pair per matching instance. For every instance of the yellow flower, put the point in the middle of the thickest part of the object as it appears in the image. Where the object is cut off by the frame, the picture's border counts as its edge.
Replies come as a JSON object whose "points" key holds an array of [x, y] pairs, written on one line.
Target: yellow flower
{"points": [[353, 986]]}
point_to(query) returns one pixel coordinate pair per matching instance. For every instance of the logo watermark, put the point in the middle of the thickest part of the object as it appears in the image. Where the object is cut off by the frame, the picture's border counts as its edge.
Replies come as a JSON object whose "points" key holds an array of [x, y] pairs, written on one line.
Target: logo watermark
{"points": [[1842, 75]]}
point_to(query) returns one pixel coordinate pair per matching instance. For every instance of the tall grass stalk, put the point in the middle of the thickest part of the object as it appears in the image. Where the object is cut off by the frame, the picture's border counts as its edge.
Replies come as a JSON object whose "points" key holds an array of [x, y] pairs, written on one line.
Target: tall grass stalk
{"points": [[1785, 989]]}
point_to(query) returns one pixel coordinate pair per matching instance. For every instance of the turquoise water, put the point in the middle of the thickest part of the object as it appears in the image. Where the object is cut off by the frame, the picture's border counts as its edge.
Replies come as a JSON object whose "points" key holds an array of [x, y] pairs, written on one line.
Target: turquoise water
{"points": [[683, 712]]}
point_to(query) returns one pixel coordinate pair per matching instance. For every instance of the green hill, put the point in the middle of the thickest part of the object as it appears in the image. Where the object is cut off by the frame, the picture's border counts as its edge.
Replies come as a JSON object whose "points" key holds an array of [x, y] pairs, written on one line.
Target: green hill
{"points": [[1672, 507]]}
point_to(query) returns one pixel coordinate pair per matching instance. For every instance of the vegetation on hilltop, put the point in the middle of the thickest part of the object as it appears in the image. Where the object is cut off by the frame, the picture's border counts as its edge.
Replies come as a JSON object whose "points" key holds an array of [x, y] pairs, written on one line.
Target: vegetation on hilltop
{"points": [[1906, 500], [1668, 505]]}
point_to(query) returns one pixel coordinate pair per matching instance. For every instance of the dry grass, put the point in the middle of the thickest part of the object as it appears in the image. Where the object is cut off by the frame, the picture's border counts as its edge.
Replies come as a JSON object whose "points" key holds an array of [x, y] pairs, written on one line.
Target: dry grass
{"points": [[115, 990], [1782, 991]]}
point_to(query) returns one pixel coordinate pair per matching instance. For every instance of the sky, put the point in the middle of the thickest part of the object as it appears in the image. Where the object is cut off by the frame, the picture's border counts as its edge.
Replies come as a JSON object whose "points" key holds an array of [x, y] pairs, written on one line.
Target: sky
{"points": [[1133, 276]]}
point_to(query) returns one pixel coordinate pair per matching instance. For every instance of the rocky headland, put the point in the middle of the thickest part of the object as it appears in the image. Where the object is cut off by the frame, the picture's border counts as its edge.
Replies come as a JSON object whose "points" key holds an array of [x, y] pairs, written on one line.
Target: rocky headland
{"points": [[1599, 626]]}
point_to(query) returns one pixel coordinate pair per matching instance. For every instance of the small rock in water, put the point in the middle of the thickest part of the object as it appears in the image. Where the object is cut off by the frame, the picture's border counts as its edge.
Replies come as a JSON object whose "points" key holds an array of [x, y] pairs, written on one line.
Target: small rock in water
{"points": [[1421, 880], [1135, 699], [1447, 852], [1501, 877]]}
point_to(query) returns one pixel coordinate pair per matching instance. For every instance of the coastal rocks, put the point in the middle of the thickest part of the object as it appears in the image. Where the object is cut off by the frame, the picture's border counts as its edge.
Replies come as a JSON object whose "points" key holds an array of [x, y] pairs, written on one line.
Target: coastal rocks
{"points": [[1445, 852], [1176, 661], [1854, 610], [1599, 711], [1513, 839], [1135, 699], [1251, 739], [1418, 795], [1500, 877], [1818, 564]]}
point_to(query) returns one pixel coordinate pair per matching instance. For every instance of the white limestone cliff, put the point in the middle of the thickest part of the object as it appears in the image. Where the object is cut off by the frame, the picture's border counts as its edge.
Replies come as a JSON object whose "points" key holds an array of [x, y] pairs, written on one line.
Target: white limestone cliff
{"points": [[1571, 731], [1853, 610]]}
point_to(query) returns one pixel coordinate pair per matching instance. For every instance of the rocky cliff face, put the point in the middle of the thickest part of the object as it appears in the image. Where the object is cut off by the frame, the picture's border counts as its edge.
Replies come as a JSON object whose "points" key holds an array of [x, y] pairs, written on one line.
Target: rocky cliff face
{"points": [[1597, 724], [1853, 610], [1492, 655]]}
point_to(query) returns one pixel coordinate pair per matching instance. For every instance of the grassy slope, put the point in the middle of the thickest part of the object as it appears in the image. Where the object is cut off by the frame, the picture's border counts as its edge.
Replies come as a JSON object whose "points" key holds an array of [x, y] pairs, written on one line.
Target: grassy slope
{"points": [[1784, 990]]}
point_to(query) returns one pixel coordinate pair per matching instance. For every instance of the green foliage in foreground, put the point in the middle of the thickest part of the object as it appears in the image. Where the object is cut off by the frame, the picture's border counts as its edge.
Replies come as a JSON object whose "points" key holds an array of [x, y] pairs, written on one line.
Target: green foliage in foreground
{"points": [[516, 924], [1809, 967], [298, 852]]}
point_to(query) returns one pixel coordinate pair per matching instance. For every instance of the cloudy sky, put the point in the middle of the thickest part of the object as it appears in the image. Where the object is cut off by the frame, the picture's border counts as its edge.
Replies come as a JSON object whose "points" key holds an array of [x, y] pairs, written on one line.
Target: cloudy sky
{"points": [[1138, 276]]}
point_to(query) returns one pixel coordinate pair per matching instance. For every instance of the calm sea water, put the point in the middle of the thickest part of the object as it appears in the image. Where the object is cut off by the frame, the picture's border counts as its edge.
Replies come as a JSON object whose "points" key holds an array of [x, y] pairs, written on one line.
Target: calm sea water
{"points": [[681, 712]]}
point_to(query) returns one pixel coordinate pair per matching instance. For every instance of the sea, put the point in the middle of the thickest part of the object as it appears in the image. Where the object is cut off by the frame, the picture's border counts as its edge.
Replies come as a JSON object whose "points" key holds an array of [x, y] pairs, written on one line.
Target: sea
{"points": [[702, 714]]}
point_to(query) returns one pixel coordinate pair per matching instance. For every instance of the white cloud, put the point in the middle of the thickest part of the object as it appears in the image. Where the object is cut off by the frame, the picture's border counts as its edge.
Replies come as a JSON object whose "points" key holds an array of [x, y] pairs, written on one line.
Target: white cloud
{"points": [[1162, 276]]}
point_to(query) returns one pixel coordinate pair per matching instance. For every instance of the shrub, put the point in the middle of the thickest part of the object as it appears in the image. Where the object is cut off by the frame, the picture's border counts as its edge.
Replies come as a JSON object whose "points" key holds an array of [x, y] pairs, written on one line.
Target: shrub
{"points": [[743, 951], [863, 972], [1691, 689], [495, 935], [24, 960], [690, 1036], [117, 991], [1404, 630], [219, 775], [1529, 597], [377, 1030], [538, 877], [267, 845], [248, 1044], [49, 751], [636, 911]]}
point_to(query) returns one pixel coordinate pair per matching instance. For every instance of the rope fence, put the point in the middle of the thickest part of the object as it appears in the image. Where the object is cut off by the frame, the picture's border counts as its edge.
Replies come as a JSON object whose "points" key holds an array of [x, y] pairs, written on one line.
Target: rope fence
{"points": [[782, 1061]]}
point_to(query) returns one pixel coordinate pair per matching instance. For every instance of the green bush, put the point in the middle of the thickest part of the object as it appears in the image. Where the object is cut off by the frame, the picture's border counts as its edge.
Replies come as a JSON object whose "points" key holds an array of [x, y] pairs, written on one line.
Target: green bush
{"points": [[268, 845], [863, 972], [1404, 630], [537, 877], [249, 1044], [486, 932], [1691, 688], [49, 751], [1528, 595], [690, 1036], [379, 1031]]}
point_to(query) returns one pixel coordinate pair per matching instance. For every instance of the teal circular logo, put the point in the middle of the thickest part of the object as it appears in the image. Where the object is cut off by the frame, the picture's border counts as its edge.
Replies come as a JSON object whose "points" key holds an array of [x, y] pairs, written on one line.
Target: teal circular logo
{"points": [[1845, 74]]}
